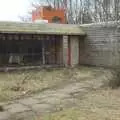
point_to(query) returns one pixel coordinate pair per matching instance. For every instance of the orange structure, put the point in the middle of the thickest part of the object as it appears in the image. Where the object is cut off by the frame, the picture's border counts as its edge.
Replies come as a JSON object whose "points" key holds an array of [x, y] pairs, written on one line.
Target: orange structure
{"points": [[50, 14]]}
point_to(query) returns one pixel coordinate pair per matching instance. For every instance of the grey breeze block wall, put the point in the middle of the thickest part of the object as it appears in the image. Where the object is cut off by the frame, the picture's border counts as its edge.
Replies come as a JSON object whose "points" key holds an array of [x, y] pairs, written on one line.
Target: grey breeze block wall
{"points": [[101, 46]]}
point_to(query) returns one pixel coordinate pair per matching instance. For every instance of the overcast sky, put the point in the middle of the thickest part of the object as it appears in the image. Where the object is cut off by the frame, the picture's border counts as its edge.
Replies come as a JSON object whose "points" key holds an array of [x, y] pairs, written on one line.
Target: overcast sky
{"points": [[11, 9]]}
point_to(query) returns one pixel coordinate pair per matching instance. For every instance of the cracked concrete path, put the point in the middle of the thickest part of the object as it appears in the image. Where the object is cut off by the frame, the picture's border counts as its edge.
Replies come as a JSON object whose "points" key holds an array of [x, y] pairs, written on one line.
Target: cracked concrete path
{"points": [[48, 101]]}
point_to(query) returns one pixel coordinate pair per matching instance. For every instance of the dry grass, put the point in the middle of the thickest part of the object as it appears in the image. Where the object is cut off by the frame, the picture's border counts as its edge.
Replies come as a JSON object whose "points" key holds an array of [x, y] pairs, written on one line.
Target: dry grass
{"points": [[17, 84], [98, 105]]}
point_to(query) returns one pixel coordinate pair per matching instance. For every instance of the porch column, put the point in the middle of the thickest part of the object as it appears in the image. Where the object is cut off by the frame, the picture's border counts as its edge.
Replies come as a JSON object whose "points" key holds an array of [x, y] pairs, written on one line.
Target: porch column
{"points": [[74, 42], [65, 50]]}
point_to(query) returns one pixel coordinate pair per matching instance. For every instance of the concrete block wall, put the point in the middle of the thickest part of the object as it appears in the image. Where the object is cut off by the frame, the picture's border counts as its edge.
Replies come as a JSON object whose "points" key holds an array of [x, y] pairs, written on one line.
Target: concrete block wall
{"points": [[101, 46]]}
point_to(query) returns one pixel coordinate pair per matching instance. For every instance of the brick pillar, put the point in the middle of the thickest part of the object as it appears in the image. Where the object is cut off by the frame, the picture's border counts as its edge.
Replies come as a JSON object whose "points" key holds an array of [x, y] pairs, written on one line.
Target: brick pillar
{"points": [[65, 50]]}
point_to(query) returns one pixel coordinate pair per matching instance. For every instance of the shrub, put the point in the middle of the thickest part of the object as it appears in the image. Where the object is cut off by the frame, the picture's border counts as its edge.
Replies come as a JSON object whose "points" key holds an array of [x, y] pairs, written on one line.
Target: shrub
{"points": [[115, 81]]}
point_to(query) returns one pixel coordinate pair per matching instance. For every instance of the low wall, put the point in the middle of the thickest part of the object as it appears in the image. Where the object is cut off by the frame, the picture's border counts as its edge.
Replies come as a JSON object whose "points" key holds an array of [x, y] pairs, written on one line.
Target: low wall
{"points": [[101, 47]]}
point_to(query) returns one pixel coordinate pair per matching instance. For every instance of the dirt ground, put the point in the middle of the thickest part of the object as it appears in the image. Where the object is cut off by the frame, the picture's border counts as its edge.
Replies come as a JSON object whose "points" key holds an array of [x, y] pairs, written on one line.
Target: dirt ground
{"points": [[97, 105], [14, 85], [61, 94]]}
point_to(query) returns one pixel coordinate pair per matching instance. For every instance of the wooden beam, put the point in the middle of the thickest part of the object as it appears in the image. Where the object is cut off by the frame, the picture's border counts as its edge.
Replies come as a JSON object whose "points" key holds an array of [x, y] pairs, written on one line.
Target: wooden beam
{"points": [[43, 52]]}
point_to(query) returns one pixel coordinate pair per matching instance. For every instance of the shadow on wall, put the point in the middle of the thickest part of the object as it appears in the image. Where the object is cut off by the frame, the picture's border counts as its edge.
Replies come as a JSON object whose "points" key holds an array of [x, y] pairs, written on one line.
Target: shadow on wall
{"points": [[56, 19]]}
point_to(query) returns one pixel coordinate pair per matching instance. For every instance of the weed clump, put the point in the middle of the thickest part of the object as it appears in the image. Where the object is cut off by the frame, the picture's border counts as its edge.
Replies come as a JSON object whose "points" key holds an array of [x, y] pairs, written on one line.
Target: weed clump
{"points": [[1, 108], [115, 82]]}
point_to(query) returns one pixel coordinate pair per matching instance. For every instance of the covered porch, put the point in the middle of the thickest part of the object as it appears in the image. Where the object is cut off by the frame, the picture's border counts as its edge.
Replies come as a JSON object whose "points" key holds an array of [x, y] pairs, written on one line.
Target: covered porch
{"points": [[30, 49], [35, 44]]}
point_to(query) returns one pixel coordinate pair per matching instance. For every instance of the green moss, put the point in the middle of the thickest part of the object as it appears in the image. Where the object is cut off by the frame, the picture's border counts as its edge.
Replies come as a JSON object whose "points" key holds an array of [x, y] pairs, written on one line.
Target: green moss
{"points": [[41, 28], [73, 114]]}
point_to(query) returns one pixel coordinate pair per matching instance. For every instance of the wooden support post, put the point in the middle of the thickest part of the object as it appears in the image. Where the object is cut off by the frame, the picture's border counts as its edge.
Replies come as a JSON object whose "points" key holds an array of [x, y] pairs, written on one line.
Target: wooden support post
{"points": [[65, 50], [43, 52]]}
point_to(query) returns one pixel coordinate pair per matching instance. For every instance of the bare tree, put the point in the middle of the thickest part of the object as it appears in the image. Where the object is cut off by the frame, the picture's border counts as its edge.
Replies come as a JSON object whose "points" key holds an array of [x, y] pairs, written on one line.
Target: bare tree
{"points": [[86, 11]]}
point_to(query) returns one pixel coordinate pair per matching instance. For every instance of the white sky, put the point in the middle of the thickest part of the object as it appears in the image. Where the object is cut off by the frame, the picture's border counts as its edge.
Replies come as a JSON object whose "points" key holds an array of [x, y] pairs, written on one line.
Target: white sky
{"points": [[10, 10]]}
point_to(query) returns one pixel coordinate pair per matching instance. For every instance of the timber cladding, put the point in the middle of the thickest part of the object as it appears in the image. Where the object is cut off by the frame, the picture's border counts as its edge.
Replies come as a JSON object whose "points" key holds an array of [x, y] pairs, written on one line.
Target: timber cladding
{"points": [[101, 47]]}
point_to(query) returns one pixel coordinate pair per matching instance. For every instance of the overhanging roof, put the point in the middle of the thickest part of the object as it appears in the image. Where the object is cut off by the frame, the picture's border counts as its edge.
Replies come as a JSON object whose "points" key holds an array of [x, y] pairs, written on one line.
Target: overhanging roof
{"points": [[38, 28]]}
